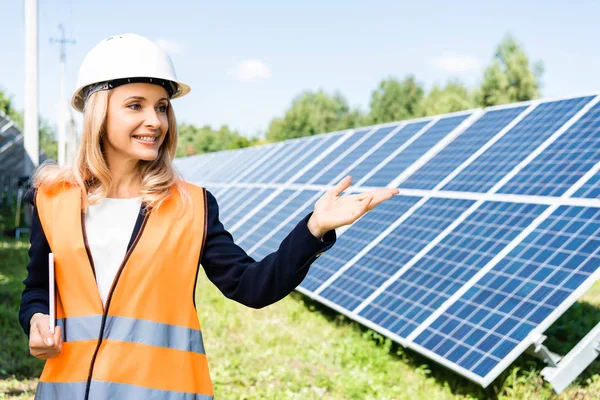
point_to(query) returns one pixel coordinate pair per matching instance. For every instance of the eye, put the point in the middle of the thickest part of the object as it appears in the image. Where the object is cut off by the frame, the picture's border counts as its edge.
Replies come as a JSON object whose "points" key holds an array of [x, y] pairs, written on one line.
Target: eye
{"points": [[135, 106], [163, 108]]}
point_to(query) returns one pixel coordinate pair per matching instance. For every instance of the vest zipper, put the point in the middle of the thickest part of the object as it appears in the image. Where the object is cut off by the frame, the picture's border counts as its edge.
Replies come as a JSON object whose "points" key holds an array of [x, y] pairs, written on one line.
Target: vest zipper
{"points": [[110, 293], [85, 240]]}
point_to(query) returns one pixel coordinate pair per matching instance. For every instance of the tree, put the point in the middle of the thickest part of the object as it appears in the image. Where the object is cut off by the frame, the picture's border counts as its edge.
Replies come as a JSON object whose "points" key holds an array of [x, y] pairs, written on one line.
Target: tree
{"points": [[48, 141], [312, 113], [6, 106], [451, 98], [194, 140], [510, 77], [47, 132], [394, 100]]}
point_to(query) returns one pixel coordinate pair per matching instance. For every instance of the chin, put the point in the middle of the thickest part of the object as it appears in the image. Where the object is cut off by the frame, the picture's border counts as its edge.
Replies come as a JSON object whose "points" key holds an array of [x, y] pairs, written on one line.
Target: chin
{"points": [[148, 157]]}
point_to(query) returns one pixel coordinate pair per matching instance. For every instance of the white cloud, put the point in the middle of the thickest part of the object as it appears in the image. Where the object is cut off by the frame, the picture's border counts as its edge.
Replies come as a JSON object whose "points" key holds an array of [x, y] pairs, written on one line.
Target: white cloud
{"points": [[453, 62], [250, 70], [169, 46]]}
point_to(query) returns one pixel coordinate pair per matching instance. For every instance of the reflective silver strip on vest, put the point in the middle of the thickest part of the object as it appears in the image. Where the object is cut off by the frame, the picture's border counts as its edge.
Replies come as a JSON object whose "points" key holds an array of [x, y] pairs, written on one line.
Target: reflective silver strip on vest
{"points": [[67, 390], [80, 328], [132, 330], [109, 390]]}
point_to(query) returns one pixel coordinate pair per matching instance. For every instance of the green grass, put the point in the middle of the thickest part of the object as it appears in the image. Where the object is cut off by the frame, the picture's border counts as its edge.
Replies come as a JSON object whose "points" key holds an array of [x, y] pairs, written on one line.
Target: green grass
{"points": [[298, 349]]}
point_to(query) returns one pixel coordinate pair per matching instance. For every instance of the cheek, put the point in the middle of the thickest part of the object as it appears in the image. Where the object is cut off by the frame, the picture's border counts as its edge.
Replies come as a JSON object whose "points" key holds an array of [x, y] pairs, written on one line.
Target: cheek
{"points": [[120, 126], [164, 123]]}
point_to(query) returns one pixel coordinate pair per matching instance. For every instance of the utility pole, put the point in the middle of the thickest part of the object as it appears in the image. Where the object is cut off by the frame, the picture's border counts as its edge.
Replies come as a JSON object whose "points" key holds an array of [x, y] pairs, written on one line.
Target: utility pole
{"points": [[31, 131], [62, 110]]}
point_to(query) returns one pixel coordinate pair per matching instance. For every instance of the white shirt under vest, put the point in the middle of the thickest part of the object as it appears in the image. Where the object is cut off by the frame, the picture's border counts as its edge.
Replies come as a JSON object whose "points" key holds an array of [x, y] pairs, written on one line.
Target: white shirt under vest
{"points": [[109, 225]]}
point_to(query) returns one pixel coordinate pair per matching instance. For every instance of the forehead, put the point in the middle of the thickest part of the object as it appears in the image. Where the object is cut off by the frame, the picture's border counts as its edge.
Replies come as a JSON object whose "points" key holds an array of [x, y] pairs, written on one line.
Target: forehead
{"points": [[146, 90]]}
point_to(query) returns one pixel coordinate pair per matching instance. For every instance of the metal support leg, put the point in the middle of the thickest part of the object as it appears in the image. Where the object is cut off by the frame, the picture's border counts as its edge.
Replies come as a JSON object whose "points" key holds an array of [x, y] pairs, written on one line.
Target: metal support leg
{"points": [[573, 364], [538, 350]]}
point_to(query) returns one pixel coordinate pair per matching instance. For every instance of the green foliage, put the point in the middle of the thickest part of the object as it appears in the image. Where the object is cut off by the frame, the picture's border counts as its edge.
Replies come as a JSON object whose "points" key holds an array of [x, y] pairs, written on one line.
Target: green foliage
{"points": [[296, 349], [312, 113], [194, 140], [394, 100], [451, 98], [7, 107], [510, 78], [14, 352], [48, 141]]}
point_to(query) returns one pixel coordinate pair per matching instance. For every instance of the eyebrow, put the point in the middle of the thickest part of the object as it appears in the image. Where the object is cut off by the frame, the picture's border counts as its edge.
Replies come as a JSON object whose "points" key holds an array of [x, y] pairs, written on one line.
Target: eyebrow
{"points": [[141, 98]]}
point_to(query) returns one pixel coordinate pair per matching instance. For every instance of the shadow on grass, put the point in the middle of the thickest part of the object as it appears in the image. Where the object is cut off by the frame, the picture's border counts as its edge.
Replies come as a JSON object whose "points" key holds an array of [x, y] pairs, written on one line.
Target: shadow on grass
{"points": [[563, 335]]}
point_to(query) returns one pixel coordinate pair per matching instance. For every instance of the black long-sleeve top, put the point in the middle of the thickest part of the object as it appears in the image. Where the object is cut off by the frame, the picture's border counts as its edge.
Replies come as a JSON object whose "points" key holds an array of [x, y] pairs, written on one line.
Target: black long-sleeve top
{"points": [[237, 275]]}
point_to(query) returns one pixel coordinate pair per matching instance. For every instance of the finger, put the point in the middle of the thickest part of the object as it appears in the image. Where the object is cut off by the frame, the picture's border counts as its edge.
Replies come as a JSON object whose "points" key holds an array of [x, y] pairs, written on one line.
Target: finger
{"points": [[342, 185], [44, 331], [381, 195], [57, 337]]}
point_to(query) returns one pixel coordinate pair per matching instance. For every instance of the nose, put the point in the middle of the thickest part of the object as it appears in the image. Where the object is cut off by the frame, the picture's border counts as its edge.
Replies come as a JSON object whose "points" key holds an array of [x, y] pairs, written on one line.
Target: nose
{"points": [[152, 121]]}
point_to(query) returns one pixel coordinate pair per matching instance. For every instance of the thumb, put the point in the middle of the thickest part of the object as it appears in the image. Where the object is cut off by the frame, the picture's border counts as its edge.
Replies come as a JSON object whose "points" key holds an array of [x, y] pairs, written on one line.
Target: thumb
{"points": [[44, 330]]}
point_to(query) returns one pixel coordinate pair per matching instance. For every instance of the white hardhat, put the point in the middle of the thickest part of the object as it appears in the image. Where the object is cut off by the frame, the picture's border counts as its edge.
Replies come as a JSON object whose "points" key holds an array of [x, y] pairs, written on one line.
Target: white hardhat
{"points": [[123, 59]]}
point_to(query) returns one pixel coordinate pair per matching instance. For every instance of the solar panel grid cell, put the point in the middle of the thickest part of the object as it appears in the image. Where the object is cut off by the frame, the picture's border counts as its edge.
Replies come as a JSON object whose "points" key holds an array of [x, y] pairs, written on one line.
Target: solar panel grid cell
{"points": [[301, 205], [519, 292], [445, 268], [387, 148], [341, 165], [515, 146], [432, 173], [564, 162], [396, 249], [360, 234], [416, 149]]}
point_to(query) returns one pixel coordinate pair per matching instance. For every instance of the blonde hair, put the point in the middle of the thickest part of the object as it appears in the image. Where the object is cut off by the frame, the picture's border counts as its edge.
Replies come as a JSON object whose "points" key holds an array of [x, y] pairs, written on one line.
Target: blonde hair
{"points": [[91, 172]]}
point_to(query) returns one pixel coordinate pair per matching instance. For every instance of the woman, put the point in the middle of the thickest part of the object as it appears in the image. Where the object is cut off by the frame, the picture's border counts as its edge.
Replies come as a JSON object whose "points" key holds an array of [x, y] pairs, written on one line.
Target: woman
{"points": [[128, 236]]}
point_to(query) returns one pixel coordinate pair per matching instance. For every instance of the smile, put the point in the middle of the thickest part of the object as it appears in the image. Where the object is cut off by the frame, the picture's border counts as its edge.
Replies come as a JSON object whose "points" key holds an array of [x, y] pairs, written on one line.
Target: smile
{"points": [[146, 139]]}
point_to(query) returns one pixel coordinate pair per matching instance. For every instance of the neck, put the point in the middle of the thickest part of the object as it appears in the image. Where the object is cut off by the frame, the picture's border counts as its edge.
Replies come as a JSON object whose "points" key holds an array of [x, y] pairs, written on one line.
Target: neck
{"points": [[126, 180]]}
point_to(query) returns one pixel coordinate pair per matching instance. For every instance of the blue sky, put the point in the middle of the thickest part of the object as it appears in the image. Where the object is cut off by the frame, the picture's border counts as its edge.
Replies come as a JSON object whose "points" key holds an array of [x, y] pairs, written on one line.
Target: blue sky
{"points": [[246, 61]]}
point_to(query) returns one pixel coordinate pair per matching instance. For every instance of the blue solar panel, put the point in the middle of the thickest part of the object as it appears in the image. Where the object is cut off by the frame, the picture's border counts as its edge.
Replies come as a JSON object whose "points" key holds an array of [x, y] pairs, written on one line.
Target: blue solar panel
{"points": [[220, 165], [591, 189], [387, 148], [330, 158], [461, 148], [243, 207], [564, 162], [317, 147], [519, 293], [268, 163], [336, 169], [360, 234], [295, 150], [377, 265], [246, 158], [466, 278], [405, 158], [436, 276], [515, 146], [300, 204], [256, 220], [229, 198]]}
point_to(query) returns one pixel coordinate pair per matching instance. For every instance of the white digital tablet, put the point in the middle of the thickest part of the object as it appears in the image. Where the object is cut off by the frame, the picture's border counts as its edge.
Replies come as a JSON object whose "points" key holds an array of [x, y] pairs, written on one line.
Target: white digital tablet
{"points": [[51, 291]]}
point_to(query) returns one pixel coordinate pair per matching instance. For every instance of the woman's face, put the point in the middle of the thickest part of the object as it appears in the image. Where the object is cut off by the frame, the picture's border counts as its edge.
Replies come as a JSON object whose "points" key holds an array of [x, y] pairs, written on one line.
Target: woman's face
{"points": [[136, 121]]}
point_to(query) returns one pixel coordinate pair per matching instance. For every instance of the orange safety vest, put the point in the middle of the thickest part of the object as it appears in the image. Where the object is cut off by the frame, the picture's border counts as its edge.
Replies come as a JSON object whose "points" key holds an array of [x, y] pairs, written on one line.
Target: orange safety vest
{"points": [[146, 343]]}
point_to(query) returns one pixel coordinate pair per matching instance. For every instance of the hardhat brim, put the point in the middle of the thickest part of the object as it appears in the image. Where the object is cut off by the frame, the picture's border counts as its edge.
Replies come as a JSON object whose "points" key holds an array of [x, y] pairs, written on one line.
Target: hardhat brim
{"points": [[78, 102]]}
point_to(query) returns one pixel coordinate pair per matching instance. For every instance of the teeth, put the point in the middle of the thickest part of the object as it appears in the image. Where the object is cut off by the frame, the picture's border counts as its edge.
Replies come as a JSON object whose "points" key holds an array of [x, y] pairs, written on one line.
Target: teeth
{"points": [[145, 138]]}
